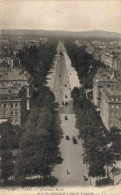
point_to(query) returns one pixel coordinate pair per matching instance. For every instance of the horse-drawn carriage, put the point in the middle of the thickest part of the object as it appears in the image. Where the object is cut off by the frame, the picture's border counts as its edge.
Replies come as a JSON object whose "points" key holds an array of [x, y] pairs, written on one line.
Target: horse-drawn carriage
{"points": [[74, 140]]}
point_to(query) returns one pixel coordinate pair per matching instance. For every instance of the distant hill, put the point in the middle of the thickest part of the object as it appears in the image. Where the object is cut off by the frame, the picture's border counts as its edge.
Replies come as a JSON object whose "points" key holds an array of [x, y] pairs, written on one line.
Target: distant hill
{"points": [[99, 33], [50, 33]]}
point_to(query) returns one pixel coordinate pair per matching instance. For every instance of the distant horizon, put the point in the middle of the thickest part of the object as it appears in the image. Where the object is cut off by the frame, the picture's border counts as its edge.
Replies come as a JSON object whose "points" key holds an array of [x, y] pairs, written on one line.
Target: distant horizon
{"points": [[61, 33], [58, 30]]}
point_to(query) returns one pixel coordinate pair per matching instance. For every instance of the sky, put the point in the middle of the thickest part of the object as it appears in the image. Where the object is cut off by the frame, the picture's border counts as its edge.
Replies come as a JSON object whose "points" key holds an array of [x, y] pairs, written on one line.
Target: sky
{"points": [[61, 15]]}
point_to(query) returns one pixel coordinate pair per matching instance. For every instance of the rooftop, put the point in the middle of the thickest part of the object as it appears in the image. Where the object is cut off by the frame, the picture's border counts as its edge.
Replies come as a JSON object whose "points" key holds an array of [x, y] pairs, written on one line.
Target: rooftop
{"points": [[8, 90], [112, 92], [105, 77], [13, 74]]}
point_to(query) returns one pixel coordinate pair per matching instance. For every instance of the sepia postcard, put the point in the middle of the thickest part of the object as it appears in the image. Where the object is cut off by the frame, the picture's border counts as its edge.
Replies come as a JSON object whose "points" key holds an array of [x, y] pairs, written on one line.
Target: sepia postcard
{"points": [[60, 97]]}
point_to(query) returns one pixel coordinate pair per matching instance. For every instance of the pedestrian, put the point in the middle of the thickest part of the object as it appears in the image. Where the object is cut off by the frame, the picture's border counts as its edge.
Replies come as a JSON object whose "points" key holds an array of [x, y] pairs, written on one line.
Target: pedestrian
{"points": [[85, 178], [67, 172]]}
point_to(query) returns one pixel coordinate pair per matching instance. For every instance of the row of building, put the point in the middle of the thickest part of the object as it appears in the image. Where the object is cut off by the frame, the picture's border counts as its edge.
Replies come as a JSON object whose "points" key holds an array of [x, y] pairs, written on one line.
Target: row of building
{"points": [[107, 81], [16, 84], [107, 52], [108, 55], [16, 89], [9, 46], [107, 96]]}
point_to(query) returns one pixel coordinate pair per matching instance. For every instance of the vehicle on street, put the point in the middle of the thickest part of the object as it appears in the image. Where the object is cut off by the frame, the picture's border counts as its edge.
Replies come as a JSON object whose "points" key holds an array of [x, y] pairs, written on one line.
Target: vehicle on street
{"points": [[59, 160], [66, 118], [62, 102], [74, 140], [67, 137], [85, 178], [66, 103]]}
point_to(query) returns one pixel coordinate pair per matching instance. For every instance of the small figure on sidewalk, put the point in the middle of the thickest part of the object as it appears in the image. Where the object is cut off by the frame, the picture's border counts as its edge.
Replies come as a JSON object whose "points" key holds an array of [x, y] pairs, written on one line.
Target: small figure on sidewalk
{"points": [[66, 118], [85, 178], [67, 172]]}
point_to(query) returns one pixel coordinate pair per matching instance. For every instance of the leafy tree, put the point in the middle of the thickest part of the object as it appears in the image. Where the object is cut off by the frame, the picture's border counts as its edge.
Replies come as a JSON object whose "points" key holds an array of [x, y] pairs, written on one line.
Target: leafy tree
{"points": [[114, 138], [84, 63], [10, 137], [7, 164], [97, 169], [39, 144], [109, 158]]}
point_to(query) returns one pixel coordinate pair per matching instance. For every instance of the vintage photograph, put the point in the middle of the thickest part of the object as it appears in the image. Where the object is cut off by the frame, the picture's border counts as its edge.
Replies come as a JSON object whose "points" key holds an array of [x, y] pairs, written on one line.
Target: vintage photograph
{"points": [[60, 95]]}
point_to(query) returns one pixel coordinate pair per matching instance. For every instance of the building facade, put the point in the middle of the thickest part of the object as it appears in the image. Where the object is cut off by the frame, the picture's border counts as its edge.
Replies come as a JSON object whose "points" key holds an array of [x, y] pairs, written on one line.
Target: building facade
{"points": [[104, 77], [97, 54], [9, 77], [110, 107], [107, 58], [13, 104]]}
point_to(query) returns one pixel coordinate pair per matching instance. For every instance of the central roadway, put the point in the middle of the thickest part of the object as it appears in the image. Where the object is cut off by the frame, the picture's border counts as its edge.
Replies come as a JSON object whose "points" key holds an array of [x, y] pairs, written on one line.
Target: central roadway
{"points": [[72, 169]]}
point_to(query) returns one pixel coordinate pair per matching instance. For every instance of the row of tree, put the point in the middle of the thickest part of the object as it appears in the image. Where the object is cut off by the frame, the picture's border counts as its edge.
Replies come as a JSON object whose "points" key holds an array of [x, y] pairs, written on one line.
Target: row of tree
{"points": [[39, 145], [37, 142], [38, 60], [9, 142], [101, 147], [84, 63]]}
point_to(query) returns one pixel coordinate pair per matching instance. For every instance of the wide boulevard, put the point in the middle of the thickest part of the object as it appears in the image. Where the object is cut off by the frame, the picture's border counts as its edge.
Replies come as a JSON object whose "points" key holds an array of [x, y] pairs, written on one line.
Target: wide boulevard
{"points": [[72, 170]]}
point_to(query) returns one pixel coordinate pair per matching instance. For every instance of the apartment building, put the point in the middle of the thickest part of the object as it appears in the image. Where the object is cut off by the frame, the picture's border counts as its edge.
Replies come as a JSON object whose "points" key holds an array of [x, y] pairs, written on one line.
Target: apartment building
{"points": [[117, 63], [97, 54], [9, 77], [104, 77], [107, 58], [13, 104], [110, 106]]}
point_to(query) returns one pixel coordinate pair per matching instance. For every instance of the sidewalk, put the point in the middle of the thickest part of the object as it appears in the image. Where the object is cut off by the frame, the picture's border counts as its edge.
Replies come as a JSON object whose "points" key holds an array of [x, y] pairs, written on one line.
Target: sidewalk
{"points": [[117, 175]]}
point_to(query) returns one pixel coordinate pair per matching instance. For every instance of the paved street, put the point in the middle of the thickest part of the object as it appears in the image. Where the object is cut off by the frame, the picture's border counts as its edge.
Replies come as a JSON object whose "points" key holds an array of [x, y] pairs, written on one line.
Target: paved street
{"points": [[72, 157], [72, 169], [61, 86]]}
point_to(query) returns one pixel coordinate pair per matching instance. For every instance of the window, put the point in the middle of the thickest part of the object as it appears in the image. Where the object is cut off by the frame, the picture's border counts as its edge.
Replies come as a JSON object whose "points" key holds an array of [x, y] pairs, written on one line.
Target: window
{"points": [[112, 106], [16, 113], [16, 120], [4, 113], [16, 105], [11, 105], [116, 106], [117, 99], [116, 113], [12, 113], [4, 105], [112, 113]]}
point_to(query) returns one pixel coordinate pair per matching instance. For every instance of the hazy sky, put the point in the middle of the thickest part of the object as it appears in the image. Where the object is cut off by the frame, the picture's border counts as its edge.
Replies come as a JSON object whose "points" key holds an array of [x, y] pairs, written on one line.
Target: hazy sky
{"points": [[61, 15]]}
